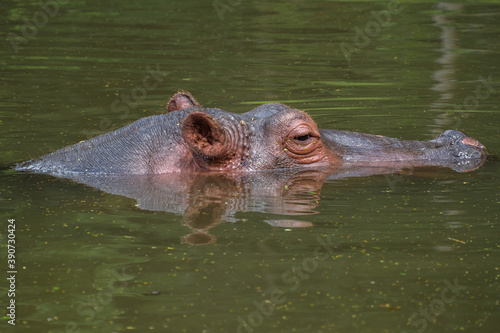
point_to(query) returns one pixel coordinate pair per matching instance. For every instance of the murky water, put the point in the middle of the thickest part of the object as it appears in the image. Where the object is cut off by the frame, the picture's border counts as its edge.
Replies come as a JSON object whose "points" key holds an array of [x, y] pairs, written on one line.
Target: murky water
{"points": [[408, 252]]}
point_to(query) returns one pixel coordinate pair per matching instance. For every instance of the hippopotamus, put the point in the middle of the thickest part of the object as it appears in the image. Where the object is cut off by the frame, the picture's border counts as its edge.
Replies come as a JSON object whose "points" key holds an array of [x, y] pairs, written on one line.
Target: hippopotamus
{"points": [[189, 138]]}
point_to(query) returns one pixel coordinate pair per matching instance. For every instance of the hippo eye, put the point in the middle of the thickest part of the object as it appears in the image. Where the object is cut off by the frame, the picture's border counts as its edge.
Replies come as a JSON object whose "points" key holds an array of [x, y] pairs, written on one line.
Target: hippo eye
{"points": [[302, 137], [302, 144]]}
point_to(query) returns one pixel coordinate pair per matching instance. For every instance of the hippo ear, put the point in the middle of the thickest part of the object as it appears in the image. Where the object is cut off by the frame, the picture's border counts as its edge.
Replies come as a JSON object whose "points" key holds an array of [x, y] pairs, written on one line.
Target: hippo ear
{"points": [[207, 140], [182, 100]]}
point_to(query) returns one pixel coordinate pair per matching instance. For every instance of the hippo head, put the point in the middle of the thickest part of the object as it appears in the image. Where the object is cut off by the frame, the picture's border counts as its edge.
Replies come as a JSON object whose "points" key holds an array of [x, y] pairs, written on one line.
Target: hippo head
{"points": [[272, 136], [275, 136]]}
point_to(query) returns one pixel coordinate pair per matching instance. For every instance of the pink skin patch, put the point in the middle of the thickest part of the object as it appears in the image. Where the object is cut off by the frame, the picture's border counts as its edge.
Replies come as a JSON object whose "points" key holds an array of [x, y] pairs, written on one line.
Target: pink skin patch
{"points": [[472, 142]]}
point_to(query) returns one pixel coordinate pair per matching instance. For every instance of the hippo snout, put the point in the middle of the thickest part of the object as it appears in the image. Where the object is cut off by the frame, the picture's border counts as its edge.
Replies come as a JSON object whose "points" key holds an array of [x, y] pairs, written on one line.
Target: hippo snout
{"points": [[461, 145], [465, 151]]}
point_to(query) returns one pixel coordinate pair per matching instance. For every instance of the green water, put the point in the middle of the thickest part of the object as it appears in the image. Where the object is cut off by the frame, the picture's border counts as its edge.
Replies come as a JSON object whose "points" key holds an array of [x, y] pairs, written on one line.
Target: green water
{"points": [[410, 252]]}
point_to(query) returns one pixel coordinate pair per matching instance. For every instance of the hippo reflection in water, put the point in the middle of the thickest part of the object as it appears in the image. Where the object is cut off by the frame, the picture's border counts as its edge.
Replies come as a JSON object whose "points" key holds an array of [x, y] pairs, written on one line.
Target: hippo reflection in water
{"points": [[208, 164], [206, 199]]}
